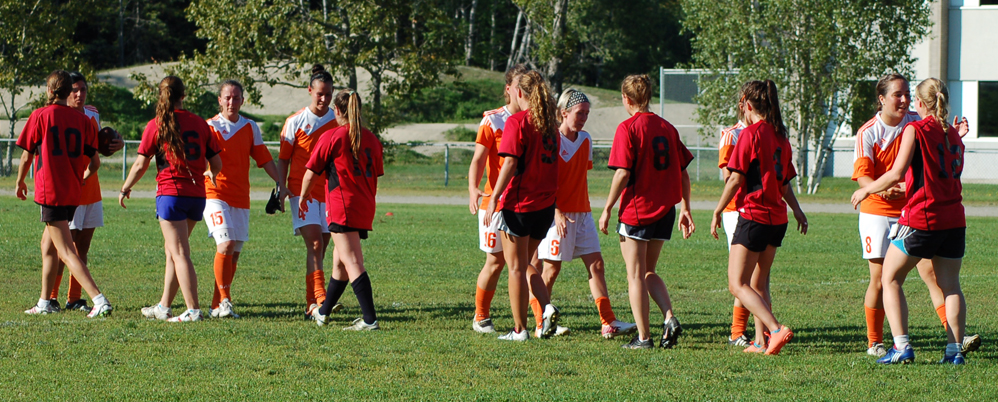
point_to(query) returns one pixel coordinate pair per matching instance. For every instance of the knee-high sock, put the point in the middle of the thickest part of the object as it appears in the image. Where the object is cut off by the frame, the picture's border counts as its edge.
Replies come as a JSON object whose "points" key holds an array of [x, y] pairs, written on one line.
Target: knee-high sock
{"points": [[874, 325], [223, 263], [941, 312], [319, 285], [606, 316], [55, 287], [538, 311], [365, 297], [483, 303], [333, 294], [739, 319], [75, 291]]}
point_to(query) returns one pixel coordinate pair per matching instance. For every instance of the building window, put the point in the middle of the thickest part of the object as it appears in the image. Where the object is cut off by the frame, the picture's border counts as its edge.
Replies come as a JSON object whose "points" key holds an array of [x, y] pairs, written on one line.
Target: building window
{"points": [[989, 2], [987, 108]]}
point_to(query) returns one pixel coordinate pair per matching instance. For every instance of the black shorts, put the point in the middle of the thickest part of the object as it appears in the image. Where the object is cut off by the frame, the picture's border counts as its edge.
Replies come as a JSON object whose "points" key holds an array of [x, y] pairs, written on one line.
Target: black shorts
{"points": [[658, 230], [58, 213], [948, 243], [534, 224], [756, 236], [337, 228]]}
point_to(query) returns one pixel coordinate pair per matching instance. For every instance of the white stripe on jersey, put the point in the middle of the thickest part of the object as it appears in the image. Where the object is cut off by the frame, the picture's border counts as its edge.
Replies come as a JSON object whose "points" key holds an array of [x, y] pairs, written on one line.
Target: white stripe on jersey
{"points": [[877, 133], [569, 148]]}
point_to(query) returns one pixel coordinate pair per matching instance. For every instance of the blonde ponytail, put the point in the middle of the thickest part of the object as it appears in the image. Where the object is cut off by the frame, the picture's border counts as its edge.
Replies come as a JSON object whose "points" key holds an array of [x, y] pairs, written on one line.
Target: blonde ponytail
{"points": [[542, 109], [934, 95], [348, 101]]}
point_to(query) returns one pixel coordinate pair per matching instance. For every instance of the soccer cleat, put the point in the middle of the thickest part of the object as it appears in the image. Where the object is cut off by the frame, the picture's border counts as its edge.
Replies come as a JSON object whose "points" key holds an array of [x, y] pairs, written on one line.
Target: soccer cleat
{"points": [[55, 305], [41, 310], [778, 340], [224, 310], [970, 343], [483, 326], [78, 305], [956, 359], [320, 319], [895, 356], [213, 312], [877, 350], [755, 348], [559, 331], [308, 311], [742, 340], [637, 343], [102, 310], [549, 325], [618, 328], [187, 316], [360, 325], [670, 332], [157, 312], [514, 336]]}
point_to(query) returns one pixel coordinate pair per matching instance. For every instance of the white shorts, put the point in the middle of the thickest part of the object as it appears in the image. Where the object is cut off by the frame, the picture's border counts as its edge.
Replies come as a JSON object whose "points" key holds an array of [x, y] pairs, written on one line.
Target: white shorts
{"points": [[316, 215], [226, 223], [729, 220], [88, 216], [873, 233], [488, 237], [580, 239]]}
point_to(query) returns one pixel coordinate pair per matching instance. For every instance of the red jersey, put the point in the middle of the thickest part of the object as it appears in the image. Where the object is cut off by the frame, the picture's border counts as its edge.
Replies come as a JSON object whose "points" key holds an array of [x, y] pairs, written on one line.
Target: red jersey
{"points": [[766, 162], [64, 140], [650, 148], [181, 179], [535, 182], [932, 182], [352, 182]]}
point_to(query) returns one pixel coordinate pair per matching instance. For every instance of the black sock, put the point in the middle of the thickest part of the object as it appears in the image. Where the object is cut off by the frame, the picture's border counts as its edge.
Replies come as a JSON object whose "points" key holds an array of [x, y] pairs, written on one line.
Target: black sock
{"points": [[333, 292], [362, 288]]}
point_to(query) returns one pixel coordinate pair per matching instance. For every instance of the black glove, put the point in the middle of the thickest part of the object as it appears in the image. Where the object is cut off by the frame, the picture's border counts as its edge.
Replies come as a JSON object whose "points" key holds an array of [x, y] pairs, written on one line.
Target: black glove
{"points": [[274, 204]]}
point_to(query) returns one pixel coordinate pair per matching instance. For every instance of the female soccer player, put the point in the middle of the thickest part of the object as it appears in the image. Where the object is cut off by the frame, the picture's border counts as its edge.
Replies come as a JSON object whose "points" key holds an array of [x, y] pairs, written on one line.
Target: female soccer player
{"points": [[226, 211], [350, 156], [65, 142], [573, 232], [527, 182], [650, 178], [729, 218], [182, 144], [487, 160], [761, 170], [89, 215], [932, 223], [298, 137]]}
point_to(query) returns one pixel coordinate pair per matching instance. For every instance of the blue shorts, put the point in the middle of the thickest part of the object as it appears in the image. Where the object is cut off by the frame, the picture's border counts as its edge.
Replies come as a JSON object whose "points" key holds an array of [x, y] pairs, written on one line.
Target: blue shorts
{"points": [[173, 208]]}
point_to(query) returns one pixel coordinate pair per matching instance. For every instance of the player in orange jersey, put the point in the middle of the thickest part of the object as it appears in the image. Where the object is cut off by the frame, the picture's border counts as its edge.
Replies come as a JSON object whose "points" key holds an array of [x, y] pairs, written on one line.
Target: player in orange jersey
{"points": [[729, 218], [298, 137], [487, 160], [226, 211], [573, 232], [89, 215]]}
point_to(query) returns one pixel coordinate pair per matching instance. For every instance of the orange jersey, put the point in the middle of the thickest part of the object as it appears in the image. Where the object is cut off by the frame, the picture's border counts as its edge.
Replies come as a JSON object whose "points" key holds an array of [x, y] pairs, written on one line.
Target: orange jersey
{"points": [[300, 134], [729, 137], [90, 192], [490, 135], [573, 167], [876, 148], [238, 142]]}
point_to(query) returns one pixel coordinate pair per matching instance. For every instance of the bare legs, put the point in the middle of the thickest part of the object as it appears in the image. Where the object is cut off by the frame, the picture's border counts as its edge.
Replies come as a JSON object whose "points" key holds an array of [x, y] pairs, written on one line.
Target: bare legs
{"points": [[640, 258]]}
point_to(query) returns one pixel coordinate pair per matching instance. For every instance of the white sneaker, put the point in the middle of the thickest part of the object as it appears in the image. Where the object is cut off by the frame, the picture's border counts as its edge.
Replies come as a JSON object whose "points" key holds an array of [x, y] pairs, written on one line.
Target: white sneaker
{"points": [[877, 350], [308, 312], [559, 331], [618, 328], [549, 325], [970, 343], [157, 312], [360, 325], [513, 336], [47, 309], [483, 326], [213, 312], [320, 319], [187, 316], [224, 310], [101, 310]]}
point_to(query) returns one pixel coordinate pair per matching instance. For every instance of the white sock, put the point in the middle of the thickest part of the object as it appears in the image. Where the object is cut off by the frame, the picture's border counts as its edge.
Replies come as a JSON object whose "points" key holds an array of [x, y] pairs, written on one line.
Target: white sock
{"points": [[100, 300], [900, 342], [44, 303], [953, 348]]}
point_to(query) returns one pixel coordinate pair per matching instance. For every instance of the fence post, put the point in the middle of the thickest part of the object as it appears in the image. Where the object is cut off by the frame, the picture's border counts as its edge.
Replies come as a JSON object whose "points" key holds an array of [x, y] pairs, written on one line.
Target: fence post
{"points": [[661, 92], [124, 160], [446, 164], [698, 156]]}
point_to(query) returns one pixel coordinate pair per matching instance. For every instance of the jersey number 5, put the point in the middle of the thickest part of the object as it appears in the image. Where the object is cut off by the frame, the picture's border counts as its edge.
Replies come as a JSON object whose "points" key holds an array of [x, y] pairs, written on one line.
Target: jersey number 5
{"points": [[548, 143], [957, 164], [368, 166]]}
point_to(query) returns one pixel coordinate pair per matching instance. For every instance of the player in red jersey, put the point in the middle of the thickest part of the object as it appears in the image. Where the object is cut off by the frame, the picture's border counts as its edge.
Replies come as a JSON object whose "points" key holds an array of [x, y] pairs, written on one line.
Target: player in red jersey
{"points": [[299, 135], [226, 210], [527, 183], [65, 143], [650, 178], [932, 224], [89, 215], [350, 157], [761, 170], [487, 160], [185, 150]]}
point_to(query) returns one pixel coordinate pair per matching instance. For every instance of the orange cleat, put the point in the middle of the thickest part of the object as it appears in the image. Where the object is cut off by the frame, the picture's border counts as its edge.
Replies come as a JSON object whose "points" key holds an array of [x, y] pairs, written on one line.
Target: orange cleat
{"points": [[754, 348], [778, 340]]}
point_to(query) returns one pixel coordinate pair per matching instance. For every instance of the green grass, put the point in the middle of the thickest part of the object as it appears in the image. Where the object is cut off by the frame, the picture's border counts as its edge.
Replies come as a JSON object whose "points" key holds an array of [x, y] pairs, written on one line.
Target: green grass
{"points": [[423, 262]]}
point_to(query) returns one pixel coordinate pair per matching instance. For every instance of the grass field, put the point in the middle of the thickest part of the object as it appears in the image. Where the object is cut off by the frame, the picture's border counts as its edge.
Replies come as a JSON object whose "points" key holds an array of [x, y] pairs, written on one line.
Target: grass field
{"points": [[423, 262]]}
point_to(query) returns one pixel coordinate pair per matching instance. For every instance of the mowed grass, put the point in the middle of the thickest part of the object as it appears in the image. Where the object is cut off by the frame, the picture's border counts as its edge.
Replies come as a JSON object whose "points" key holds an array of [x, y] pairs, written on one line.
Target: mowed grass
{"points": [[423, 263]]}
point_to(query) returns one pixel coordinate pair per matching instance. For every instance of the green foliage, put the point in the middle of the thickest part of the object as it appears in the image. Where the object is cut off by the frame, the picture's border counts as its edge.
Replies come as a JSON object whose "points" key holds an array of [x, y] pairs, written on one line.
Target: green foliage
{"points": [[460, 133], [270, 125], [456, 101]]}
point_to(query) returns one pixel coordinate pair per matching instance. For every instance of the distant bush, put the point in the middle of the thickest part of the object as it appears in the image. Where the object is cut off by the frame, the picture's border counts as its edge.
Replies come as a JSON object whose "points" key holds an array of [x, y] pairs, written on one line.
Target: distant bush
{"points": [[457, 101], [460, 133]]}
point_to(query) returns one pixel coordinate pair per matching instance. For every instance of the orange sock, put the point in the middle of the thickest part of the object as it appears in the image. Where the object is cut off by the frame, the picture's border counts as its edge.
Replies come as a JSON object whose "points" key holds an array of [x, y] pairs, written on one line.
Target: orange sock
{"points": [[319, 285], [483, 303], [941, 312], [309, 290], [75, 290], [606, 316], [229, 275], [538, 313], [55, 287], [874, 325], [739, 319], [222, 264]]}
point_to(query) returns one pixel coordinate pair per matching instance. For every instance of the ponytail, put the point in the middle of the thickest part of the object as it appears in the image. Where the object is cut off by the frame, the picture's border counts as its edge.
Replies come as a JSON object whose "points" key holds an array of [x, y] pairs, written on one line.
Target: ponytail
{"points": [[541, 105], [347, 102], [764, 97], [935, 97], [60, 85], [171, 91]]}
